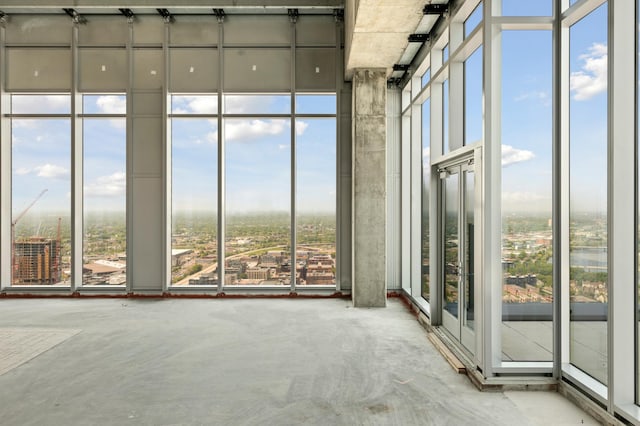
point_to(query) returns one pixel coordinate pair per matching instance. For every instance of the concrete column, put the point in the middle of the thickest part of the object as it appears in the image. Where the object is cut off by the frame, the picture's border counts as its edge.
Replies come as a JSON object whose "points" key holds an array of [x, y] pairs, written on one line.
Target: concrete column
{"points": [[369, 187]]}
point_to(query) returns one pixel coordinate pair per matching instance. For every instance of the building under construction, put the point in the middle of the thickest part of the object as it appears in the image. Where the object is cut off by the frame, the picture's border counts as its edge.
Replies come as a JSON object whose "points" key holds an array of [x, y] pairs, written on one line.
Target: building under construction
{"points": [[36, 261]]}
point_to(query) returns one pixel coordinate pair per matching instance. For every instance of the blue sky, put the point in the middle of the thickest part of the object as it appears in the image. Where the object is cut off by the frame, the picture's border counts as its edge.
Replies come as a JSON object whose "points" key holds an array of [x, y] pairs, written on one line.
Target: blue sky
{"points": [[258, 150]]}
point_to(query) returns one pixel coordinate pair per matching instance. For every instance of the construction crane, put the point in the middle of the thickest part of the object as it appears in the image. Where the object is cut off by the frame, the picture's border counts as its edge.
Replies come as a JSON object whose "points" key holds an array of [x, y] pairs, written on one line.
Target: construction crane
{"points": [[13, 229]]}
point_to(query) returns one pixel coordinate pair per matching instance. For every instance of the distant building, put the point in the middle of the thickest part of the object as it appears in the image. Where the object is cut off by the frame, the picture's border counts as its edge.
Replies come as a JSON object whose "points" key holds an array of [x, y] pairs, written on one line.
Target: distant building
{"points": [[177, 256], [36, 261]]}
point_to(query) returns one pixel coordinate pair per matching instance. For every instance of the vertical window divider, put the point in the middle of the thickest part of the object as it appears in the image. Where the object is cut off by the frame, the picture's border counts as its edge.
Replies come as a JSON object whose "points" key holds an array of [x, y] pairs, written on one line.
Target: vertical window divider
{"points": [[166, 157], [292, 210], [5, 170], [221, 213], [129, 159], [77, 213]]}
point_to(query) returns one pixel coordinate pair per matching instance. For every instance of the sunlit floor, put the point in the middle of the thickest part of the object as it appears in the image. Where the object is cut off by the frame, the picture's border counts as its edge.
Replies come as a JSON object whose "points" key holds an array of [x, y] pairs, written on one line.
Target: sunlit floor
{"points": [[239, 361]]}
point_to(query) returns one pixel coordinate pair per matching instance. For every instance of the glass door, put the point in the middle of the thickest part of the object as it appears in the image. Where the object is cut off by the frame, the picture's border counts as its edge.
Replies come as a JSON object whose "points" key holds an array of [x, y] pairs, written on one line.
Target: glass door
{"points": [[458, 251]]}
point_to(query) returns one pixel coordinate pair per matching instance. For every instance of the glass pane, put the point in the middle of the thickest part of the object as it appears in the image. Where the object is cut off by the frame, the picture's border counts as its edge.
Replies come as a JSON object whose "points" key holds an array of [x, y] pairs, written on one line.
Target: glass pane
{"points": [[445, 117], [104, 104], [41, 187], [451, 244], [473, 20], [104, 254], [258, 200], [194, 104], [469, 249], [316, 201], [426, 189], [473, 98], [527, 237], [194, 201], [588, 194], [40, 104], [527, 8], [426, 77], [316, 104], [257, 104]]}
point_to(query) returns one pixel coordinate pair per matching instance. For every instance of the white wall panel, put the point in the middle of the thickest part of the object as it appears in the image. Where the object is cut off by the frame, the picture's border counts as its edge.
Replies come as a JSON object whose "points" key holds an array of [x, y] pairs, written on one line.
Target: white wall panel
{"points": [[40, 29], [315, 69], [147, 104], [193, 70], [38, 69], [148, 69], [257, 31], [250, 70], [316, 31], [194, 31], [103, 70], [147, 146], [104, 31], [148, 30]]}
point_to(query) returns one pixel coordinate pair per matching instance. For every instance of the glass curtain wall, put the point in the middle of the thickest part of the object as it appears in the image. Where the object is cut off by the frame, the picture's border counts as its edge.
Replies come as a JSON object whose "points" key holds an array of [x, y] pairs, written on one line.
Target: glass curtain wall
{"points": [[426, 191], [194, 190], [315, 190], [258, 190], [527, 267], [588, 239], [104, 255], [41, 184]]}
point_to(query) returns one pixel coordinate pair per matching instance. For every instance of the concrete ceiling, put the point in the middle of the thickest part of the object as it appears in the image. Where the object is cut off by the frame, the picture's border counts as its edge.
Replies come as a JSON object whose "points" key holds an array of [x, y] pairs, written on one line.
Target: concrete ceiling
{"points": [[377, 31]]}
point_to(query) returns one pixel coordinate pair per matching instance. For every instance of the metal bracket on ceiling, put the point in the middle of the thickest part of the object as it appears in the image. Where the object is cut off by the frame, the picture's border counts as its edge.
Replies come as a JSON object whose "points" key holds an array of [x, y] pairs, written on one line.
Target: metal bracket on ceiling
{"points": [[4, 18], [166, 15], [401, 67], [128, 13], [75, 16], [418, 38], [219, 13], [435, 9], [293, 15], [338, 15], [394, 82]]}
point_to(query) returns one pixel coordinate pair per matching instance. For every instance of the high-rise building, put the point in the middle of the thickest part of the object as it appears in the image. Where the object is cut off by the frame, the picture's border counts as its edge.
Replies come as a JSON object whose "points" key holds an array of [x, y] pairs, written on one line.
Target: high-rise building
{"points": [[36, 261]]}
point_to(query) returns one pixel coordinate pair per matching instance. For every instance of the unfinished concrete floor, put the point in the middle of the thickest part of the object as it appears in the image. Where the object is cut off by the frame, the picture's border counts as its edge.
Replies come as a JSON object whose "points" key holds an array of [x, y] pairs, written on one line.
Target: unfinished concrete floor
{"points": [[240, 362]]}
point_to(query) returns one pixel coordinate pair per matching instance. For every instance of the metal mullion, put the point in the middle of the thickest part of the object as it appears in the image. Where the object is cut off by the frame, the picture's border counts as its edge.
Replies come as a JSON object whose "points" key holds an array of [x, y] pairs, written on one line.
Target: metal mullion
{"points": [[6, 245], [38, 116], [166, 161], [221, 160], [77, 175], [272, 116], [129, 159], [292, 209]]}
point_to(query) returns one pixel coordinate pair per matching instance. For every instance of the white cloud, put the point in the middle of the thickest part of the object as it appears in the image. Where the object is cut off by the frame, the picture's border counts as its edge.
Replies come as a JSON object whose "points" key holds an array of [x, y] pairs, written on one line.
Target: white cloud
{"points": [[51, 171], [25, 104], [243, 104], [282, 147], [202, 104], [251, 129], [301, 126], [511, 155], [535, 95], [22, 171], [592, 78], [111, 104], [113, 185]]}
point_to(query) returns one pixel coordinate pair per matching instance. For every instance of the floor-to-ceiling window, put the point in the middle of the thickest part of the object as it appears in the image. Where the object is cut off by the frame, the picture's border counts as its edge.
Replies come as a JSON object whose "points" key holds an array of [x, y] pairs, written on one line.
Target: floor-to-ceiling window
{"points": [[258, 190], [315, 169], [426, 192], [40, 188], [588, 171], [104, 150], [194, 190], [527, 234]]}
